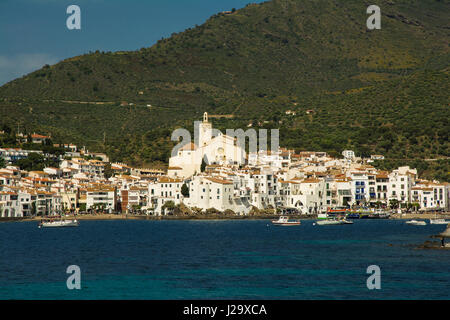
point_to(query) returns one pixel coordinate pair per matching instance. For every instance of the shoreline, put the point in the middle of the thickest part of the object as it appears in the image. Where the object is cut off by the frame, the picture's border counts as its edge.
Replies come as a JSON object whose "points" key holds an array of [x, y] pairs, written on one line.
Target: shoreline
{"points": [[115, 217]]}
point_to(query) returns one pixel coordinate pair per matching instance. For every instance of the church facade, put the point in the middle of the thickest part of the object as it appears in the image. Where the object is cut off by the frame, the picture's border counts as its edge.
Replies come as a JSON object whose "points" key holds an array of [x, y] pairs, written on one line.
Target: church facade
{"points": [[212, 148]]}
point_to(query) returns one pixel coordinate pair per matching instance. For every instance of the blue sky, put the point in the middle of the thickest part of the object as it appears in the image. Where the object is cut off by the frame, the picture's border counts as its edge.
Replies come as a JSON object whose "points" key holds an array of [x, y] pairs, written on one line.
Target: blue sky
{"points": [[34, 33]]}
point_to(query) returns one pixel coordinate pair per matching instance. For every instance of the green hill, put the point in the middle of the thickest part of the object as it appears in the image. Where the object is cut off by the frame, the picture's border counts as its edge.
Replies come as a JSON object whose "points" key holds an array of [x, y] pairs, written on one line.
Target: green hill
{"points": [[381, 91]]}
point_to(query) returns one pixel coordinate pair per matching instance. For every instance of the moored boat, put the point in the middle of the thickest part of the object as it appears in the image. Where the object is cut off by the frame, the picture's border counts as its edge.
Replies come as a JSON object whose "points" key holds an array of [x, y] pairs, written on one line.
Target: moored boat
{"points": [[285, 222], [337, 211], [416, 223], [352, 216], [50, 223], [322, 216], [331, 222], [439, 221]]}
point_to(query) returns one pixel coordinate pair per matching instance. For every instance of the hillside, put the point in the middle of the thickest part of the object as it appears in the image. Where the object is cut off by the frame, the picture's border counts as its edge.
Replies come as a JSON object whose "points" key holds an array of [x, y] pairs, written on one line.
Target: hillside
{"points": [[383, 91]]}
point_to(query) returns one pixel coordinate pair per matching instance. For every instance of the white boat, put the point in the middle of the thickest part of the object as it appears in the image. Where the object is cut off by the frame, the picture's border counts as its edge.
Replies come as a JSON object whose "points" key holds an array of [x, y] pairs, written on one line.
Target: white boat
{"points": [[284, 221], [439, 221], [416, 223], [49, 223], [322, 216], [332, 222]]}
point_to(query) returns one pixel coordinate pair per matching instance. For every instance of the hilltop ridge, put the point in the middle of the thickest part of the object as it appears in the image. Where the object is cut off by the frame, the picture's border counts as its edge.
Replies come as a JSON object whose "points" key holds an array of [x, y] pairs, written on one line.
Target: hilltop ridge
{"points": [[382, 91]]}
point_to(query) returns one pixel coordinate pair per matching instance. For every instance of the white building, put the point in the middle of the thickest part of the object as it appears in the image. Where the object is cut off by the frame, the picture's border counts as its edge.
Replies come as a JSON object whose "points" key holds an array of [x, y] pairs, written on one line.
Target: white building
{"points": [[101, 197], [210, 192], [430, 196], [348, 154], [401, 181], [220, 149], [91, 168], [164, 190]]}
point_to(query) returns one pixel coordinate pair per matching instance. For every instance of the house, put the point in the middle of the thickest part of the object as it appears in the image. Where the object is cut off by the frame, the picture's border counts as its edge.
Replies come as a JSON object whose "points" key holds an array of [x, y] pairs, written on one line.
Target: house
{"points": [[101, 197], [14, 154], [39, 139], [377, 157], [210, 192], [165, 189], [401, 181], [348, 154]]}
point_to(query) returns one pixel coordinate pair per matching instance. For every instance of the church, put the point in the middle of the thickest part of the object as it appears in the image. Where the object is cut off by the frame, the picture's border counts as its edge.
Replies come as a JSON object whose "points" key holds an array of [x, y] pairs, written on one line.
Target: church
{"points": [[217, 149]]}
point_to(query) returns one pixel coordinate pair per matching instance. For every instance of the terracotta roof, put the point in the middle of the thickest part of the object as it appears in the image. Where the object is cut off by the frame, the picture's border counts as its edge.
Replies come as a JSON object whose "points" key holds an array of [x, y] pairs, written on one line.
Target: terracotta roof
{"points": [[311, 180], [220, 181], [38, 136], [169, 180]]}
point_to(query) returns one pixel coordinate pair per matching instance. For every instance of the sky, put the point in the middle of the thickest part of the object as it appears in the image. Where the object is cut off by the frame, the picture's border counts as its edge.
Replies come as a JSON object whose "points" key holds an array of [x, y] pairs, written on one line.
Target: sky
{"points": [[34, 32]]}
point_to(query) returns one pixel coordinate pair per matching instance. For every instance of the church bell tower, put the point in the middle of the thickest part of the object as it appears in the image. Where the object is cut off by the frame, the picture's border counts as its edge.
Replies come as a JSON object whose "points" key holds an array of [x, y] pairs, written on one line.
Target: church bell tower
{"points": [[205, 132]]}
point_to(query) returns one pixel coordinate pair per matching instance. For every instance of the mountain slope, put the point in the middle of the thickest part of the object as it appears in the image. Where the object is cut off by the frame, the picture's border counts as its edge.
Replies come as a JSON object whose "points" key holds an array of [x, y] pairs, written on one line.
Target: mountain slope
{"points": [[279, 47], [376, 91]]}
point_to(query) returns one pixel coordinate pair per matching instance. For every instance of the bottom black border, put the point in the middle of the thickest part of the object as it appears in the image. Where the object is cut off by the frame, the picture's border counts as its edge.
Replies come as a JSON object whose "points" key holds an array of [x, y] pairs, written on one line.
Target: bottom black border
{"points": [[224, 309]]}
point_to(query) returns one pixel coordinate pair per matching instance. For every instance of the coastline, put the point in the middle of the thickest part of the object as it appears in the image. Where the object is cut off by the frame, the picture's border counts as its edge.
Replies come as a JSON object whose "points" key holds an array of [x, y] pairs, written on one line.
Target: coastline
{"points": [[112, 217]]}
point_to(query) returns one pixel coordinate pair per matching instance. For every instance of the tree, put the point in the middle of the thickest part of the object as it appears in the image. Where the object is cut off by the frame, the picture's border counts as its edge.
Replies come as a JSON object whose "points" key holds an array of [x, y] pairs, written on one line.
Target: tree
{"points": [[203, 165], [169, 205], [185, 190], [35, 161], [2, 163], [393, 203], [108, 171], [33, 208]]}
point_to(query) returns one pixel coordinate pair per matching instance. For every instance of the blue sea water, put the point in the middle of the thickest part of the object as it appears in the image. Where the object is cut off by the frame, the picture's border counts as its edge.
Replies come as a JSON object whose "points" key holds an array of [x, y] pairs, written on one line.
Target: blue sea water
{"points": [[221, 260]]}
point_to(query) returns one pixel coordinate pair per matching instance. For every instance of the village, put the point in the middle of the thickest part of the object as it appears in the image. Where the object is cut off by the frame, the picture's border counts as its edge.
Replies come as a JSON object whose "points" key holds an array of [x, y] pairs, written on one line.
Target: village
{"points": [[214, 176]]}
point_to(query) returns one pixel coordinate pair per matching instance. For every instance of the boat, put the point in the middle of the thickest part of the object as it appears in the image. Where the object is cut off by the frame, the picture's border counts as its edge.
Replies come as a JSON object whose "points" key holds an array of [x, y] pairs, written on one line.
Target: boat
{"points": [[58, 223], [333, 221], [379, 214], [337, 211], [439, 221], [361, 213], [329, 222], [322, 216], [285, 222], [352, 216], [416, 223]]}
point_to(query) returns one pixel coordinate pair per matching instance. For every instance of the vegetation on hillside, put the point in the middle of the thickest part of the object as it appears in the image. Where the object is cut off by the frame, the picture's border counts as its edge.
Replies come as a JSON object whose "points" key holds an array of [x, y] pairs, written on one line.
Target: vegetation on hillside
{"points": [[383, 91]]}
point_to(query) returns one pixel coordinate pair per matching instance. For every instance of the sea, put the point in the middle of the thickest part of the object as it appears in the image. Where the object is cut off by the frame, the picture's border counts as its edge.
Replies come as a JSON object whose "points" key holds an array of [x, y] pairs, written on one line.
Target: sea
{"points": [[220, 259]]}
